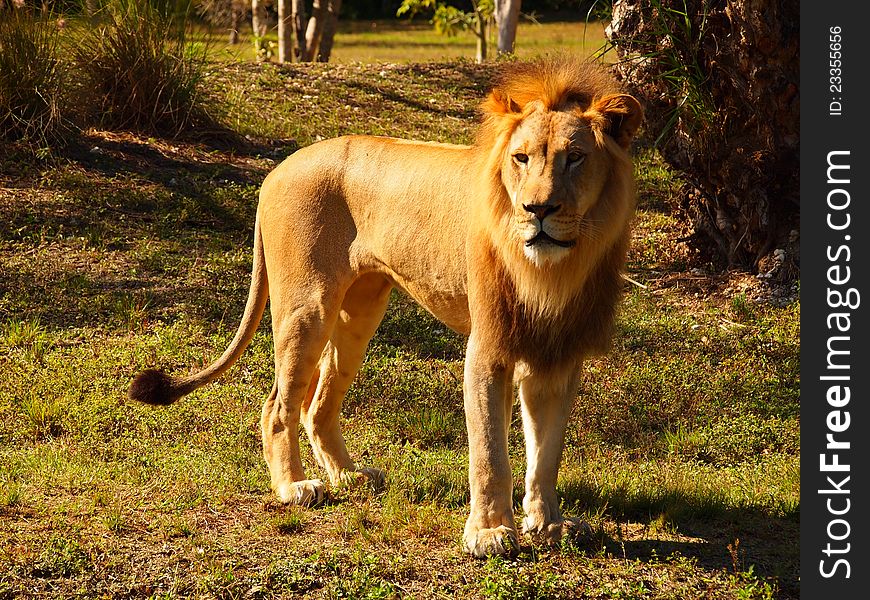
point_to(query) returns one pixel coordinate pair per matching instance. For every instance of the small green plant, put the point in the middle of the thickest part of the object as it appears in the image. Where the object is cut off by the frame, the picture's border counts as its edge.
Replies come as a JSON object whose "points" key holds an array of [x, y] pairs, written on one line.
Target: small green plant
{"points": [[288, 522], [43, 414], [504, 581], [431, 428], [360, 576], [10, 493], [142, 72], [673, 42], [741, 308], [29, 336], [132, 312], [62, 557], [31, 78], [221, 582]]}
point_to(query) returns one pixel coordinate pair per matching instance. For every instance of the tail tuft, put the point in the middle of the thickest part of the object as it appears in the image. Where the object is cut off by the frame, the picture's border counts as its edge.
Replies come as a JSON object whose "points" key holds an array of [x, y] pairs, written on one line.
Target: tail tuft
{"points": [[154, 387]]}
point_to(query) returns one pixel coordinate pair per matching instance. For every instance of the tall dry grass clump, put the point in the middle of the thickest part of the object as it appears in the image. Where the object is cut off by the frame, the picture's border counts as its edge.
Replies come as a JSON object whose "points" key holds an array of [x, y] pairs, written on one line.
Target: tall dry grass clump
{"points": [[141, 72], [31, 78]]}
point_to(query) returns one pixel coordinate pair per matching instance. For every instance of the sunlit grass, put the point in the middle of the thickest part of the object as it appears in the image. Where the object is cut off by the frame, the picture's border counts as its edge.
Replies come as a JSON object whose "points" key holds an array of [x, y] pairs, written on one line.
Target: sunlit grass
{"points": [[683, 439], [407, 42]]}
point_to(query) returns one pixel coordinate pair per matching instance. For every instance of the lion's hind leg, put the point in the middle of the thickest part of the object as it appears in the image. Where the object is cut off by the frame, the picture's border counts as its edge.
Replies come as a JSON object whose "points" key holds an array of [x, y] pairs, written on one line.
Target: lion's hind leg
{"points": [[302, 322], [361, 312], [281, 451]]}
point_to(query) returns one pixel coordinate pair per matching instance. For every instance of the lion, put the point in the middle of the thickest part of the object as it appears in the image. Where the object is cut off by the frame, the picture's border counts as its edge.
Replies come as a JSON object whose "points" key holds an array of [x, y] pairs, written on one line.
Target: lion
{"points": [[517, 241]]}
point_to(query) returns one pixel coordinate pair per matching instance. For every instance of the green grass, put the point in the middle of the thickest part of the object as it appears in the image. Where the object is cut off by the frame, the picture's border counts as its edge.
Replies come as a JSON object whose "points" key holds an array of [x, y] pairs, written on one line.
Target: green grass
{"points": [[682, 453], [401, 41]]}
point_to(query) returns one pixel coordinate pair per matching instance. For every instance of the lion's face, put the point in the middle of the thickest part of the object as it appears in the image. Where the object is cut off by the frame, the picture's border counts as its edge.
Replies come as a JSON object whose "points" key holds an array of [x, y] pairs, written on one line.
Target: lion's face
{"points": [[554, 173]]}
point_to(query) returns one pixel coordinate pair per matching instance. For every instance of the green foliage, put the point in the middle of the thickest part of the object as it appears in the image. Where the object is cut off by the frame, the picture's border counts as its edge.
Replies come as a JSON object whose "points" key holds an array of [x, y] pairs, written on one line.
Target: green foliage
{"points": [[289, 521], [32, 104], [361, 578], [505, 581], [739, 439], [141, 71], [673, 41], [62, 557], [448, 19]]}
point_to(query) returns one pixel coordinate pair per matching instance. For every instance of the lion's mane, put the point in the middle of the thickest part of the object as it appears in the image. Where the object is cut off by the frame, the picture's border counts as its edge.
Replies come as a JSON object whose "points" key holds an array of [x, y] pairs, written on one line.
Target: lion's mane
{"points": [[560, 312]]}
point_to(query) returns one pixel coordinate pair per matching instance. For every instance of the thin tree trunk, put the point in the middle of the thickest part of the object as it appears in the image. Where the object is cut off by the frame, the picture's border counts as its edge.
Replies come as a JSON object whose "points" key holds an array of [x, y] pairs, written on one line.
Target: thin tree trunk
{"points": [[507, 15], [235, 21], [258, 18], [315, 30], [481, 43], [285, 35], [298, 8], [481, 33], [330, 25], [259, 24]]}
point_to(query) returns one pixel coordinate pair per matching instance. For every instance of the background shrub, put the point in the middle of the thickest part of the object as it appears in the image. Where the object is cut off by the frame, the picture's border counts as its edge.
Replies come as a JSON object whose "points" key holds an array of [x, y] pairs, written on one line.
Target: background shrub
{"points": [[141, 71], [31, 78]]}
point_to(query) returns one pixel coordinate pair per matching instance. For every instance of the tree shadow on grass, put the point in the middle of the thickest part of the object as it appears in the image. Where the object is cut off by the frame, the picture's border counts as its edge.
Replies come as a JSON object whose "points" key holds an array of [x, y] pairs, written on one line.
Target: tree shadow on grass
{"points": [[719, 536], [120, 155]]}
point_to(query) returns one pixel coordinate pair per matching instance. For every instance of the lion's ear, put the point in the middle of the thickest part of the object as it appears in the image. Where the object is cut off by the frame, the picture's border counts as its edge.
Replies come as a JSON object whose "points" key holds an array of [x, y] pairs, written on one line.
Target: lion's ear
{"points": [[499, 103], [623, 115]]}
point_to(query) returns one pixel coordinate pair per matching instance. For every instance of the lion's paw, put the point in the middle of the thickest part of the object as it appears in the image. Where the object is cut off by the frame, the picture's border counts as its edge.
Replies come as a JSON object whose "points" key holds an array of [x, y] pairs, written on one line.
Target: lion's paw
{"points": [[308, 492], [498, 541], [369, 476], [554, 531]]}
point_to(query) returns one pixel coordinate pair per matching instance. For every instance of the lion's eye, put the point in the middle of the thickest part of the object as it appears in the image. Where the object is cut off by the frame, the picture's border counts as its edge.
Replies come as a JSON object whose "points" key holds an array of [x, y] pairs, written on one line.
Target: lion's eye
{"points": [[521, 158], [575, 157]]}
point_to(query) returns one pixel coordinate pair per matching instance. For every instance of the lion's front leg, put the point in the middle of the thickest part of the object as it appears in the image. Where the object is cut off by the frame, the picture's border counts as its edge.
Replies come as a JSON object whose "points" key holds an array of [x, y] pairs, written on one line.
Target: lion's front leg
{"points": [[546, 399], [488, 389]]}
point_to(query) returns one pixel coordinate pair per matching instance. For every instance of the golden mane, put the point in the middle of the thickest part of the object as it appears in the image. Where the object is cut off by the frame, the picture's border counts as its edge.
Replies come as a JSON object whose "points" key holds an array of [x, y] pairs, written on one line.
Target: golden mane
{"points": [[578, 294], [555, 82]]}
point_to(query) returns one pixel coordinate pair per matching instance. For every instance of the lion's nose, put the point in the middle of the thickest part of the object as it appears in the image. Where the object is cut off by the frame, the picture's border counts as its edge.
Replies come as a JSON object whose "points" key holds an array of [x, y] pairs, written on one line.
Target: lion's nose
{"points": [[542, 210]]}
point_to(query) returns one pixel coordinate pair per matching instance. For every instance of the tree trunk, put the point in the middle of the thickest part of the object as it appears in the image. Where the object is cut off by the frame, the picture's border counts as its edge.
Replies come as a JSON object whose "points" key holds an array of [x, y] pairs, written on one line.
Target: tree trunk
{"points": [[480, 55], [285, 32], [235, 21], [259, 24], [507, 16], [720, 86], [298, 8], [315, 29], [330, 25]]}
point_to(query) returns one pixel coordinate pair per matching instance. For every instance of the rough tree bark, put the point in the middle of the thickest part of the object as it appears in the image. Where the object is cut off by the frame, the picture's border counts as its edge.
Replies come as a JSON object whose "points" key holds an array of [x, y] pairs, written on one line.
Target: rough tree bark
{"points": [[314, 30], [721, 95], [507, 16], [298, 16], [330, 25], [285, 31]]}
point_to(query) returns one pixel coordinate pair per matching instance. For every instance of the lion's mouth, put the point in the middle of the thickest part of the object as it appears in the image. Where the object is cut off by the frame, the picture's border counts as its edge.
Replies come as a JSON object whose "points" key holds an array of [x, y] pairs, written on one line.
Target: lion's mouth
{"points": [[543, 238]]}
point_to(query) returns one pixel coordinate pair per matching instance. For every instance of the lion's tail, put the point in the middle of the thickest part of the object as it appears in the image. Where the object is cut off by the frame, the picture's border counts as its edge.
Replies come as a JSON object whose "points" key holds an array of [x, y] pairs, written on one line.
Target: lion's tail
{"points": [[153, 386]]}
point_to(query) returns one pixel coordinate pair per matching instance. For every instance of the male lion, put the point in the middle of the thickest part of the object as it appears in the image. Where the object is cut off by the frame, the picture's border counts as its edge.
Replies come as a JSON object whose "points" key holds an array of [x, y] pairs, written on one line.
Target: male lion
{"points": [[517, 241]]}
